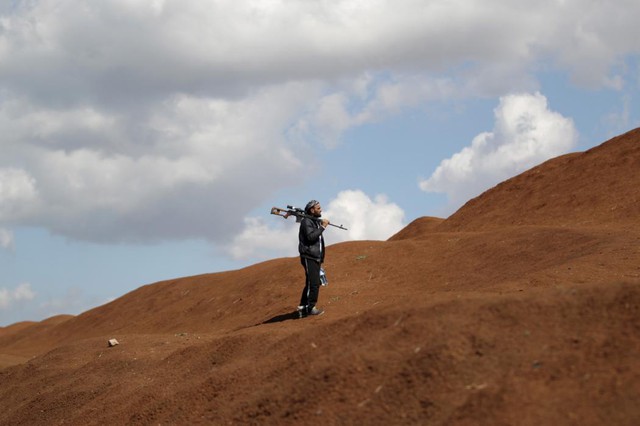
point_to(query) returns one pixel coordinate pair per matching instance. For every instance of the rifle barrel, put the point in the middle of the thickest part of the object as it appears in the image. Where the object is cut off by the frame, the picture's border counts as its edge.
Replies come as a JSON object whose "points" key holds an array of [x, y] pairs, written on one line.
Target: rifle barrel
{"points": [[338, 226]]}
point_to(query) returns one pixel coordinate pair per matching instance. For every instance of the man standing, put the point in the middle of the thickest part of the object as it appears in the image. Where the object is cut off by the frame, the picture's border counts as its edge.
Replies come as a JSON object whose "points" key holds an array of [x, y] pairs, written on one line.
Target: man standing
{"points": [[311, 248]]}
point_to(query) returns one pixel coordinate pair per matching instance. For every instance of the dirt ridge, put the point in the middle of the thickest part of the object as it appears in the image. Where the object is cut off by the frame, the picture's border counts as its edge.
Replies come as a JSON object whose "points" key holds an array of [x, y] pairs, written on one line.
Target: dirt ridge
{"points": [[521, 308]]}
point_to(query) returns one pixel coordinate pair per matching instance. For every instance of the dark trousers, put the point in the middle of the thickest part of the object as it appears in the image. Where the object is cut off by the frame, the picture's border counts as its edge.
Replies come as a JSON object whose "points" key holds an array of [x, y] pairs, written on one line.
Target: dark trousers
{"points": [[312, 283]]}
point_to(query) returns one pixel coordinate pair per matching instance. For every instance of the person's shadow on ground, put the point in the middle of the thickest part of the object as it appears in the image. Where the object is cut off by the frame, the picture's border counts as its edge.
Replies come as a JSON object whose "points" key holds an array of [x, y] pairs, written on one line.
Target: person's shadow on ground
{"points": [[282, 317]]}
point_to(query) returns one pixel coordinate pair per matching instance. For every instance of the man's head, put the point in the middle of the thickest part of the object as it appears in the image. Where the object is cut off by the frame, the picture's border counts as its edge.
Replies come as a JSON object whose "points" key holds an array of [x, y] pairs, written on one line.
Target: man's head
{"points": [[313, 208]]}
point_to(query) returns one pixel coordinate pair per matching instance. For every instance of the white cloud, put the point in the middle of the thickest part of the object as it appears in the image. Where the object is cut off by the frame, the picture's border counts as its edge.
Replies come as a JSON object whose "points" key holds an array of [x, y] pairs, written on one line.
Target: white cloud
{"points": [[24, 302], [15, 184], [364, 218], [192, 156], [263, 240], [525, 134], [91, 177], [6, 239], [21, 293], [17, 193], [133, 120], [367, 99], [67, 51]]}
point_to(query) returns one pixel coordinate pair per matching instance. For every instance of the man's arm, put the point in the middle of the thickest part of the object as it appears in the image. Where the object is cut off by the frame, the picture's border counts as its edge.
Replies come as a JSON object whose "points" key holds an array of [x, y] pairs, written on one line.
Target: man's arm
{"points": [[311, 233]]}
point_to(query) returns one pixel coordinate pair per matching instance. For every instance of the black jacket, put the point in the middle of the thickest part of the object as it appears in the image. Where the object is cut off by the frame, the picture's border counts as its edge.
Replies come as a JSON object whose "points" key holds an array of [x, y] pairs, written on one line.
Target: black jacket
{"points": [[311, 243]]}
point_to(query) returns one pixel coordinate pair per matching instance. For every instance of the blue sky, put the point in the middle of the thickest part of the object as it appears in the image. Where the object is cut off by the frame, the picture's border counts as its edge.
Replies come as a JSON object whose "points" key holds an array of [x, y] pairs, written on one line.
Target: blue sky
{"points": [[147, 140]]}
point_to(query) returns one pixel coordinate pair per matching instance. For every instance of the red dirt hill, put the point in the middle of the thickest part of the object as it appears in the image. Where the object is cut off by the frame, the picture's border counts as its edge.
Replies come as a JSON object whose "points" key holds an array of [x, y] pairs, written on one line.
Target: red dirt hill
{"points": [[521, 308], [598, 187]]}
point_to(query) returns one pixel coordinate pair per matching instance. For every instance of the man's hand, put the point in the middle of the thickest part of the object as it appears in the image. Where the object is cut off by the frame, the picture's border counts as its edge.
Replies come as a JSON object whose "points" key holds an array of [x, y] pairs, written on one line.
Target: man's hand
{"points": [[325, 223]]}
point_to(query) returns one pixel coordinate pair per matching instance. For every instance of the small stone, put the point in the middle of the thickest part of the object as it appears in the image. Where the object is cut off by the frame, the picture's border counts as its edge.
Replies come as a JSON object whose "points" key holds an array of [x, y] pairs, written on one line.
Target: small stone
{"points": [[113, 342]]}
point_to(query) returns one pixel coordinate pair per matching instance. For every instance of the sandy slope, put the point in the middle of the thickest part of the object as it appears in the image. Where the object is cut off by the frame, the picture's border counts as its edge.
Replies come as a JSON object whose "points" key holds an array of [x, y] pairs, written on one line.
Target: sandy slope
{"points": [[521, 308]]}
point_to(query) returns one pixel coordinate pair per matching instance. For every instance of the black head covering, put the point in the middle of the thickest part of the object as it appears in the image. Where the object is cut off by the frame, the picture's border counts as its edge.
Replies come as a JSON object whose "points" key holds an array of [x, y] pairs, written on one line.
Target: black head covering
{"points": [[310, 205]]}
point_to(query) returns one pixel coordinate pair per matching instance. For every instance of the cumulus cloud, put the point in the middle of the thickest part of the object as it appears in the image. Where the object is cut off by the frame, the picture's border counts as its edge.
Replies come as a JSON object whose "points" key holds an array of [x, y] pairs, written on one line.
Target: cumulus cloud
{"points": [[526, 133], [17, 192], [220, 47], [368, 99], [6, 239], [364, 217], [192, 155], [131, 120], [95, 175], [261, 239], [21, 293]]}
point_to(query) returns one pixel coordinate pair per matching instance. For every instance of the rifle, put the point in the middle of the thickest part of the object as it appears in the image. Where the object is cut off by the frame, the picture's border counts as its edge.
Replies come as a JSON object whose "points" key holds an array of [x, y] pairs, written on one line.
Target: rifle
{"points": [[299, 214]]}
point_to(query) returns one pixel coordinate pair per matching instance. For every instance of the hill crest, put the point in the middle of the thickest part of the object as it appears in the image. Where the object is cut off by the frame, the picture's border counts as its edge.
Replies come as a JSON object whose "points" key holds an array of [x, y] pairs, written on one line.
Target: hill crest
{"points": [[513, 310], [593, 188]]}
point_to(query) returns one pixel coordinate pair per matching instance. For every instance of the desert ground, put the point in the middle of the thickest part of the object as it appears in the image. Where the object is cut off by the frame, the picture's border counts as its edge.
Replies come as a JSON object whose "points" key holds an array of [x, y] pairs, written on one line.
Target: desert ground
{"points": [[522, 308]]}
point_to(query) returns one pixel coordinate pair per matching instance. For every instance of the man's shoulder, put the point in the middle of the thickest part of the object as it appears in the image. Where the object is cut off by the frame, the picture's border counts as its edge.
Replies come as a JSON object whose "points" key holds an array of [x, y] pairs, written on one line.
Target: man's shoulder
{"points": [[308, 222]]}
